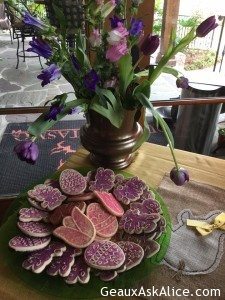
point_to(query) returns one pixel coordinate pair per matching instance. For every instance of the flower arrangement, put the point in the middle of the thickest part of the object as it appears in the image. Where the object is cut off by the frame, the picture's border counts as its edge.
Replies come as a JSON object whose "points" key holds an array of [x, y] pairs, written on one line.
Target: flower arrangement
{"points": [[110, 82]]}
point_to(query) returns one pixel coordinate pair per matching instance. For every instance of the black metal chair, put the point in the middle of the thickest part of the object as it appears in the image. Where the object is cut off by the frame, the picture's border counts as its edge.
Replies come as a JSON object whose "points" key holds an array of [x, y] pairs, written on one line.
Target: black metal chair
{"points": [[20, 32]]}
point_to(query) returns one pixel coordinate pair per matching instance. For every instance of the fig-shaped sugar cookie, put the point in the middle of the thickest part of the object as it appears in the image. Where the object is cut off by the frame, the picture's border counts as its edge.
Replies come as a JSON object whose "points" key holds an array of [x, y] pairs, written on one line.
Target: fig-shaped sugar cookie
{"points": [[80, 272], [32, 214], [72, 182], [28, 244]]}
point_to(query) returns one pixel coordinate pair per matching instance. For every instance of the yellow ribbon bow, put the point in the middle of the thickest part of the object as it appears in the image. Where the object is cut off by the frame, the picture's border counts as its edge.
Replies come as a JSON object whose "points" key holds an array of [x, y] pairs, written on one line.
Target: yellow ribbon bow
{"points": [[205, 228]]}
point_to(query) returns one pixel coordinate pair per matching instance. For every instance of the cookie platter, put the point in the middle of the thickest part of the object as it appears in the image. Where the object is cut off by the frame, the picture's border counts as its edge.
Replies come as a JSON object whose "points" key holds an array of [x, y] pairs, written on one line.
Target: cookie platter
{"points": [[94, 227]]}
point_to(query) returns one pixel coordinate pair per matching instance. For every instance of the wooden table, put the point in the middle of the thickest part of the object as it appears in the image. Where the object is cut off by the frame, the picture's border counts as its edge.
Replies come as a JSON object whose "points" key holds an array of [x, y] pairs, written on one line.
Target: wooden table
{"points": [[151, 163]]}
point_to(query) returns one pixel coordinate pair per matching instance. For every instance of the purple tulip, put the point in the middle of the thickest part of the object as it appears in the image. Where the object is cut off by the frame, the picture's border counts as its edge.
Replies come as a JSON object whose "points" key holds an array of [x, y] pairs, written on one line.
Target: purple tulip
{"points": [[182, 82], [53, 112], [136, 27], [115, 20], [75, 62], [30, 20], [179, 177], [91, 79], [49, 74], [27, 151], [40, 47], [150, 44], [206, 26]]}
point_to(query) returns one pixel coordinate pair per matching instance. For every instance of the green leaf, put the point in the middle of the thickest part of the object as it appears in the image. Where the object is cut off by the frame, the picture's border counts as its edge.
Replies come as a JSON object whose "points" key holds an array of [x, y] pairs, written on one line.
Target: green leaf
{"points": [[143, 73], [171, 71], [60, 16], [107, 9], [144, 137], [126, 72], [40, 125], [113, 114], [108, 95], [144, 88]]}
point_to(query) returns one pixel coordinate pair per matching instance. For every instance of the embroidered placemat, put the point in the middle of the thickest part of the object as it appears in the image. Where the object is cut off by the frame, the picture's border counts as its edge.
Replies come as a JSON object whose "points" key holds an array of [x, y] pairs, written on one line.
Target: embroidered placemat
{"points": [[194, 199]]}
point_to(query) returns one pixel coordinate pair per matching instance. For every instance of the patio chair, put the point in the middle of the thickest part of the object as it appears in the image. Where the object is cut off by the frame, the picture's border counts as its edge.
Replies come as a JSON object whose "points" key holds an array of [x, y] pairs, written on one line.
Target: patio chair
{"points": [[20, 32]]}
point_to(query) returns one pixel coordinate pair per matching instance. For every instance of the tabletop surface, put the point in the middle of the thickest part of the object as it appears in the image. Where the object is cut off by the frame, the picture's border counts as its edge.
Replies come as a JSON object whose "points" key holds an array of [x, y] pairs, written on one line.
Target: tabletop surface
{"points": [[151, 163]]}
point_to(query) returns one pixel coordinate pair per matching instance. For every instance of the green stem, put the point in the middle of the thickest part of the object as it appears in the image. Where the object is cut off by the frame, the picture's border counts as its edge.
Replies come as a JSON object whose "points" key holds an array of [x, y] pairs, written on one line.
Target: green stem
{"points": [[137, 63]]}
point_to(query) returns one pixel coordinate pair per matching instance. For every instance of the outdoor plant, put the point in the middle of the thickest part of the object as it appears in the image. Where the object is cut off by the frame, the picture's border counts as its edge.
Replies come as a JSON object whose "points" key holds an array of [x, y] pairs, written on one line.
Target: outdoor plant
{"points": [[109, 83]]}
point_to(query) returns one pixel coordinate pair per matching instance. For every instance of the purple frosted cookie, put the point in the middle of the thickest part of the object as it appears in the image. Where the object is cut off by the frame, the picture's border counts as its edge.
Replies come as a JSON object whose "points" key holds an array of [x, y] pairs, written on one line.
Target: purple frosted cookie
{"points": [[38, 260], [119, 178], [147, 194], [104, 180], [36, 204], [149, 246], [27, 244], [80, 272], [32, 214], [134, 254], [35, 229], [62, 265], [72, 182], [107, 275], [148, 206], [104, 255], [129, 191], [49, 197], [135, 222]]}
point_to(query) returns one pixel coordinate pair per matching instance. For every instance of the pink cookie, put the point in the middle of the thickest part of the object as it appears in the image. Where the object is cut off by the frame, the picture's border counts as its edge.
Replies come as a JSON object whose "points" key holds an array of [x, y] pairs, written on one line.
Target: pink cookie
{"points": [[104, 255], [28, 244], [37, 261], [82, 197], [35, 229], [105, 224], [72, 182], [110, 203], [32, 214], [49, 197], [78, 231], [64, 210]]}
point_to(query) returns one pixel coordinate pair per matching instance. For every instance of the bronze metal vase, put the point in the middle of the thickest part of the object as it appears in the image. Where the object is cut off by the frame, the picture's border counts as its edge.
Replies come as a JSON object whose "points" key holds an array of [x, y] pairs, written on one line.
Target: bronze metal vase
{"points": [[110, 146]]}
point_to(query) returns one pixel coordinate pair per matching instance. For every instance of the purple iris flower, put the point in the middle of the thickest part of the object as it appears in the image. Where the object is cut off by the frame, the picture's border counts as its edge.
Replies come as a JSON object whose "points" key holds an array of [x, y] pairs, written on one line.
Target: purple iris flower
{"points": [[27, 151], [75, 62], [136, 27], [49, 74], [53, 112], [91, 79], [115, 20], [179, 177], [182, 82], [30, 20], [40, 47]]}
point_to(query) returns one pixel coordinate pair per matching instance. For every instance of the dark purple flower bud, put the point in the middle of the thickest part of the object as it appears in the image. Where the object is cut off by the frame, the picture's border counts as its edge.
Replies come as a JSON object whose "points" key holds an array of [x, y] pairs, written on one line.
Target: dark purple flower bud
{"points": [[206, 26], [150, 44], [136, 27], [115, 20], [49, 74], [75, 62], [53, 112], [179, 177], [27, 151], [91, 79], [30, 20], [182, 82], [40, 47]]}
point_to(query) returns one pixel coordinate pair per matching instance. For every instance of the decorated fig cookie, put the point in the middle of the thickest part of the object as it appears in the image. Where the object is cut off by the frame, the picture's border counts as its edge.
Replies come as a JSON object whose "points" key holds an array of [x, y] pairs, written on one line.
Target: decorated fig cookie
{"points": [[147, 194], [36, 204], [149, 246], [64, 210], [62, 265], [110, 203], [135, 222], [106, 225], [134, 254], [104, 255], [148, 206], [129, 190], [32, 214], [104, 180], [107, 275], [37, 261], [72, 182], [28, 244], [80, 272], [119, 178], [82, 197], [35, 229], [77, 231], [49, 197]]}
